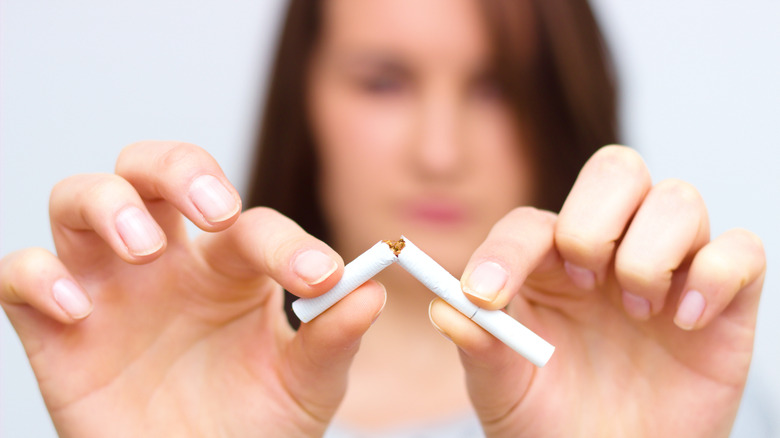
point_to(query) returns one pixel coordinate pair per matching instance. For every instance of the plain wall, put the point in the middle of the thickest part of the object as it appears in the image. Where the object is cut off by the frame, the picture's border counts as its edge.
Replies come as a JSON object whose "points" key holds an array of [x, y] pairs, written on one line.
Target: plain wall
{"points": [[81, 79]]}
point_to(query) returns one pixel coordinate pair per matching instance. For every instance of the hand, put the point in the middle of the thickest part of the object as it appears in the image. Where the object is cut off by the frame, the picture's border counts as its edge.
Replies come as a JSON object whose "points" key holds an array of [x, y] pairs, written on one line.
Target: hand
{"points": [[187, 338], [653, 322]]}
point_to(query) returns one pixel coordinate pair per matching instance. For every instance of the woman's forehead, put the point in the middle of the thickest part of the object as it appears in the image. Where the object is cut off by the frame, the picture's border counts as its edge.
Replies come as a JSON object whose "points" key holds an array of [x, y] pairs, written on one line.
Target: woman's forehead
{"points": [[410, 26]]}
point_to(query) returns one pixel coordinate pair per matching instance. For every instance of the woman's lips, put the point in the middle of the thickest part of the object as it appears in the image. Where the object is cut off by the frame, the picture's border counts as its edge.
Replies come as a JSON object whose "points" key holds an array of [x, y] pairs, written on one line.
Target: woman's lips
{"points": [[436, 213]]}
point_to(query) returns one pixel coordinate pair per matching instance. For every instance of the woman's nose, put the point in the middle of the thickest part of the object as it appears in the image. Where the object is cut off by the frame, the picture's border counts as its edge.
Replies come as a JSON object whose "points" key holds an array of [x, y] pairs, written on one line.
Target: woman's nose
{"points": [[438, 150]]}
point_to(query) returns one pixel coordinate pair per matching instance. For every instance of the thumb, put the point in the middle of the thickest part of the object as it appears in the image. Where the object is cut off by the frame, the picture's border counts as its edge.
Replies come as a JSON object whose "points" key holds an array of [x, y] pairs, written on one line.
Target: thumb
{"points": [[320, 354], [497, 377]]}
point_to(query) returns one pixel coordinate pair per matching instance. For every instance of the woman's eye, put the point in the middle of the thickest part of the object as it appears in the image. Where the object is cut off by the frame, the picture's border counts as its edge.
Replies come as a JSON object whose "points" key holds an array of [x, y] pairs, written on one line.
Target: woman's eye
{"points": [[382, 84]]}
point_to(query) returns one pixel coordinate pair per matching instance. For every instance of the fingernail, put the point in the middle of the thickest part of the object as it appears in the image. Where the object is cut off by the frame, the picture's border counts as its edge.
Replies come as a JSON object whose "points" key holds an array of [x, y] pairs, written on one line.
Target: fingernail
{"points": [[313, 266], [581, 277], [690, 310], [486, 281], [636, 306], [138, 231], [213, 199], [71, 298]]}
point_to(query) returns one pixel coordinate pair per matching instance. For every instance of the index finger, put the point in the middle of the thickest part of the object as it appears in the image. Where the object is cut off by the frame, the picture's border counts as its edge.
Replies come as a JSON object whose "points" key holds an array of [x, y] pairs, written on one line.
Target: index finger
{"points": [[184, 175], [264, 242], [518, 243], [606, 195]]}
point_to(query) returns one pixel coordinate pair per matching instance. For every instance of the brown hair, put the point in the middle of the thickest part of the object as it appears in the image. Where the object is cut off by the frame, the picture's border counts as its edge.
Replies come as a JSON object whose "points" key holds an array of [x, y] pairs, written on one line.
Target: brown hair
{"points": [[563, 89], [560, 85]]}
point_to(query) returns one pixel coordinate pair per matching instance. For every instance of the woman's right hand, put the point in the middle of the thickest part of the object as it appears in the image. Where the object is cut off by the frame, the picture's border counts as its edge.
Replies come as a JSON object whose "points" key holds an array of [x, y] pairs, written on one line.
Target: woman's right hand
{"points": [[134, 329]]}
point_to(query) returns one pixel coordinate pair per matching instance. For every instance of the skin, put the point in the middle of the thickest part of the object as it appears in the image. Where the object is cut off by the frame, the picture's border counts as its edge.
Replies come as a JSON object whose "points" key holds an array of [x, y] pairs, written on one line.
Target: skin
{"points": [[185, 337], [185, 331], [406, 118], [406, 115]]}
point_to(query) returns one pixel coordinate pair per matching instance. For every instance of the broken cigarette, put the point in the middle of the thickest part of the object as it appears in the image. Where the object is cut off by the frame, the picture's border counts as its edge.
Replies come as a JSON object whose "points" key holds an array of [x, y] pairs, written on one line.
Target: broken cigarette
{"points": [[499, 324], [356, 272], [437, 279]]}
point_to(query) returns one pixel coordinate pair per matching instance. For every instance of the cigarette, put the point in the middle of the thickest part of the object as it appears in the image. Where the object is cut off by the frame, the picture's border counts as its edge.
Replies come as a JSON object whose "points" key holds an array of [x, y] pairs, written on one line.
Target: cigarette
{"points": [[506, 329], [499, 324], [357, 272]]}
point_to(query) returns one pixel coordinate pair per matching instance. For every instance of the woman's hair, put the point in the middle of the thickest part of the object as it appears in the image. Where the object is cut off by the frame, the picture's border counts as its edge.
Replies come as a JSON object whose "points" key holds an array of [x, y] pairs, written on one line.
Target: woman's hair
{"points": [[561, 89]]}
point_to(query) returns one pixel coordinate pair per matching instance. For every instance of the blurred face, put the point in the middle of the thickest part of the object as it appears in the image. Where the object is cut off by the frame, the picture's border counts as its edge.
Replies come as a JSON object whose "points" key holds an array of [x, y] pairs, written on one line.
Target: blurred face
{"points": [[412, 134]]}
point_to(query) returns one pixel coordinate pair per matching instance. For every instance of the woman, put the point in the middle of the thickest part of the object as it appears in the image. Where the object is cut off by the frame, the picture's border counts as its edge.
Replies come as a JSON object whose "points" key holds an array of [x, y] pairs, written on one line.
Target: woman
{"points": [[426, 119]]}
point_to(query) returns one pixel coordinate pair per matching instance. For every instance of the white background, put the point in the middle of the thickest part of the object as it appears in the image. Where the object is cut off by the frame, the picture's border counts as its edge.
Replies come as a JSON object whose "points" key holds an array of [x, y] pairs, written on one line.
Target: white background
{"points": [[81, 79]]}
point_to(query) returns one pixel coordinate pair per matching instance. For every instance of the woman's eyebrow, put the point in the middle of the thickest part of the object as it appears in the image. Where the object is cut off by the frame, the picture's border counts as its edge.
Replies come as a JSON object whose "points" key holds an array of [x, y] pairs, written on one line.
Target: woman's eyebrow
{"points": [[382, 60]]}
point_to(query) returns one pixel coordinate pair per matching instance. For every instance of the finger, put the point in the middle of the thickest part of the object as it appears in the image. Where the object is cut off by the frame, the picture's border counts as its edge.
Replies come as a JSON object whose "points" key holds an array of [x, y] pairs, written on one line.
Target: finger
{"points": [[108, 206], [35, 278], [321, 352], [515, 246], [725, 277], [184, 175], [496, 376], [602, 201], [670, 226], [264, 242]]}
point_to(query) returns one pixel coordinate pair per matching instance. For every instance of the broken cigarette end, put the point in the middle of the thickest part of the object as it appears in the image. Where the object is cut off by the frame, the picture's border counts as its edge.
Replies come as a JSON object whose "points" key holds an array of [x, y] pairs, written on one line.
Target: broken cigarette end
{"points": [[396, 245]]}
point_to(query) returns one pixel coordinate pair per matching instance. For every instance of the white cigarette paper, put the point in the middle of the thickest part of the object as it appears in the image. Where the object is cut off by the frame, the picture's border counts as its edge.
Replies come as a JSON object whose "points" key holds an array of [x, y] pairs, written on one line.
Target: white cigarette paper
{"points": [[356, 272], [442, 283], [499, 324]]}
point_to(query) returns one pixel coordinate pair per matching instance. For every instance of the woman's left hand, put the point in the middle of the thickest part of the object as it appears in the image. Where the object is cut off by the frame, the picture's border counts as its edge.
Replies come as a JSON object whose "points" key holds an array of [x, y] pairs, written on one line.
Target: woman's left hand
{"points": [[653, 322]]}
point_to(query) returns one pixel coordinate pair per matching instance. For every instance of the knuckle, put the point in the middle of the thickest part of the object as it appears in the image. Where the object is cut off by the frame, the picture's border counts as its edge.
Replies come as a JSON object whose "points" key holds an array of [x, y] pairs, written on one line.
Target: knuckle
{"points": [[125, 157], [619, 160], [178, 157], [279, 236], [526, 213], [261, 214], [285, 248], [582, 249], [31, 261], [132, 148], [23, 267], [519, 216], [721, 266], [127, 150], [752, 243], [78, 190], [678, 190], [57, 192], [260, 218], [721, 260], [104, 189], [641, 272], [66, 184]]}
